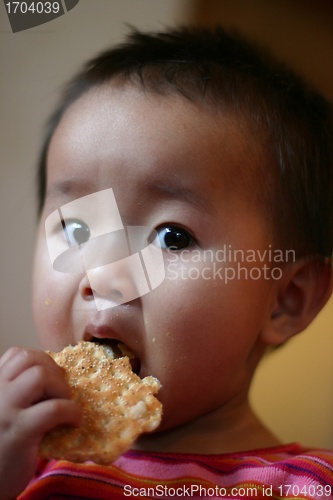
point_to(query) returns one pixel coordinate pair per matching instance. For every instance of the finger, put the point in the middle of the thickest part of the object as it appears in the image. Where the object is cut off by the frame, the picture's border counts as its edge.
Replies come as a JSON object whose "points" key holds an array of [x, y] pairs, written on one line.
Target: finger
{"points": [[21, 359], [12, 351], [36, 420], [36, 384]]}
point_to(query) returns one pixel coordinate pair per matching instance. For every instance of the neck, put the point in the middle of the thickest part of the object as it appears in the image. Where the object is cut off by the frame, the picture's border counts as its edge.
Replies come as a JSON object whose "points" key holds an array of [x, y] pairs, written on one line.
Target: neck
{"points": [[214, 433]]}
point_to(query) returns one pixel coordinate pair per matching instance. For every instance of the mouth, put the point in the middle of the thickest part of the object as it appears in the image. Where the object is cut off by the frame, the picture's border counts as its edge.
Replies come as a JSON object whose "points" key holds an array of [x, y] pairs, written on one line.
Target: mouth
{"points": [[120, 350]]}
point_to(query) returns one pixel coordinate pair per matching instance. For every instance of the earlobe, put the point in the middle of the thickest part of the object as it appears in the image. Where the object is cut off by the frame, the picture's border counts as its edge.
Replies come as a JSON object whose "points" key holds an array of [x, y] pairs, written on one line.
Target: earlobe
{"points": [[300, 294]]}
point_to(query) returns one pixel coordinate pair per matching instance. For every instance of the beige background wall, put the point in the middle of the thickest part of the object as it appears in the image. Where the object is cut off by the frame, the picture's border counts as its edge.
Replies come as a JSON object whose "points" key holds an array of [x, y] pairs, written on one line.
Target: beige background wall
{"points": [[293, 388]]}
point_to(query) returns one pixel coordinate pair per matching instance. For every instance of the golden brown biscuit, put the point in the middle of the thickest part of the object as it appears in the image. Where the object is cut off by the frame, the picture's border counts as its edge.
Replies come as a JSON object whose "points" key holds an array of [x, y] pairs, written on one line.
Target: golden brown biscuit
{"points": [[117, 405]]}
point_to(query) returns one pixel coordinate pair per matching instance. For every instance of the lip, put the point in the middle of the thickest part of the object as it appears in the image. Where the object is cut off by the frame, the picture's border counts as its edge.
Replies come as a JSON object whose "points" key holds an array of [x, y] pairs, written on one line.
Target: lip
{"points": [[100, 332]]}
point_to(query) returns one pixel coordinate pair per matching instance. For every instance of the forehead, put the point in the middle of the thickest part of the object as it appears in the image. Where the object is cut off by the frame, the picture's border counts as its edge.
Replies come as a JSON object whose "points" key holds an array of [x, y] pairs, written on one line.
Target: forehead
{"points": [[120, 132]]}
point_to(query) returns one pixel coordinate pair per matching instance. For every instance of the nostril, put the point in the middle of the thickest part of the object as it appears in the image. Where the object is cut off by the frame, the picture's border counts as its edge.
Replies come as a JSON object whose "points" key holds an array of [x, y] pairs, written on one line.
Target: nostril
{"points": [[88, 294], [116, 295], [108, 286], [85, 290]]}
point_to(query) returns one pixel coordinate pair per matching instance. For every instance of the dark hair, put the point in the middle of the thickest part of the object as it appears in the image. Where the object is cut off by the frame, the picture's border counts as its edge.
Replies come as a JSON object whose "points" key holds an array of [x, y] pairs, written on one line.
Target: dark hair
{"points": [[293, 122]]}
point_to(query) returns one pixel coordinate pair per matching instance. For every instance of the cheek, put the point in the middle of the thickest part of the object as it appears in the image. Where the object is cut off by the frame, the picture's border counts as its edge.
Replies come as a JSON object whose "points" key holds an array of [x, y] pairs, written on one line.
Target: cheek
{"points": [[187, 319], [194, 298], [194, 315], [51, 300], [205, 344]]}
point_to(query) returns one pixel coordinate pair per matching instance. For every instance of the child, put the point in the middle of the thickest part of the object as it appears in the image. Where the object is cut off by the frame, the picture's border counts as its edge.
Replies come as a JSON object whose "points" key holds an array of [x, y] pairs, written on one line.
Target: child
{"points": [[226, 155]]}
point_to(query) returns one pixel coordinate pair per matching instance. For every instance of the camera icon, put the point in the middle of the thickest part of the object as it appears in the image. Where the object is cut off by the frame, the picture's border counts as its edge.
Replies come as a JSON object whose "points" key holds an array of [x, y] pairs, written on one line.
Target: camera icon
{"points": [[121, 262]]}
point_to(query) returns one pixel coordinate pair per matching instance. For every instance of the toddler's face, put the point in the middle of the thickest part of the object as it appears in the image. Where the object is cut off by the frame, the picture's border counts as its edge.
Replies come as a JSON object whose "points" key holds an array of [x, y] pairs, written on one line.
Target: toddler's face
{"points": [[178, 169]]}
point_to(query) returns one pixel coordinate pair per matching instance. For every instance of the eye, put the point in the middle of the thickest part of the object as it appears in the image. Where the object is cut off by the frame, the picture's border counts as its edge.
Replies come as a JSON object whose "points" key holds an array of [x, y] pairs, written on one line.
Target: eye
{"points": [[76, 231], [173, 237]]}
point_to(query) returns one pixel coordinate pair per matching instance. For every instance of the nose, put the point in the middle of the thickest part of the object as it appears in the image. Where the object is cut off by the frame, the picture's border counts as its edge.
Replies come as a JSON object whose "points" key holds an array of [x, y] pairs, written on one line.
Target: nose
{"points": [[116, 283]]}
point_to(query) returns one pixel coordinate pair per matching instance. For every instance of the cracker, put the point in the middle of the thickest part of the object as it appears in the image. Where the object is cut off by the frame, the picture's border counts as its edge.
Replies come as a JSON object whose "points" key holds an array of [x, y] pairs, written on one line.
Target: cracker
{"points": [[117, 405]]}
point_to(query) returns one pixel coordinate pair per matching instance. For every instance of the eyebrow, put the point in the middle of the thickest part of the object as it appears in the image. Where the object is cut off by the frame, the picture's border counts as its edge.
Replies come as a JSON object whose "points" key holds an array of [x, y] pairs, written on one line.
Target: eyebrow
{"points": [[67, 187], [74, 190], [181, 193]]}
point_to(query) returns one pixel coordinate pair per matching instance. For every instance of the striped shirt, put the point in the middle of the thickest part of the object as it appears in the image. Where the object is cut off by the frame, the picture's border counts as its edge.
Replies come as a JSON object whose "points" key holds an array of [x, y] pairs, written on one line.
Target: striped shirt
{"points": [[288, 471]]}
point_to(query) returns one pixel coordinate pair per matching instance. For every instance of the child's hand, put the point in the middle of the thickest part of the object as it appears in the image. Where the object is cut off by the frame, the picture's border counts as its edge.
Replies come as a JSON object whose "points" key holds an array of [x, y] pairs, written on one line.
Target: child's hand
{"points": [[34, 398]]}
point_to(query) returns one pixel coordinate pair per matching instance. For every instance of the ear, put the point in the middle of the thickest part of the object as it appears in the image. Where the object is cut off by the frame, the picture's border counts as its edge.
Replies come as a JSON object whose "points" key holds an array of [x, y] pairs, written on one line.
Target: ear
{"points": [[302, 291]]}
